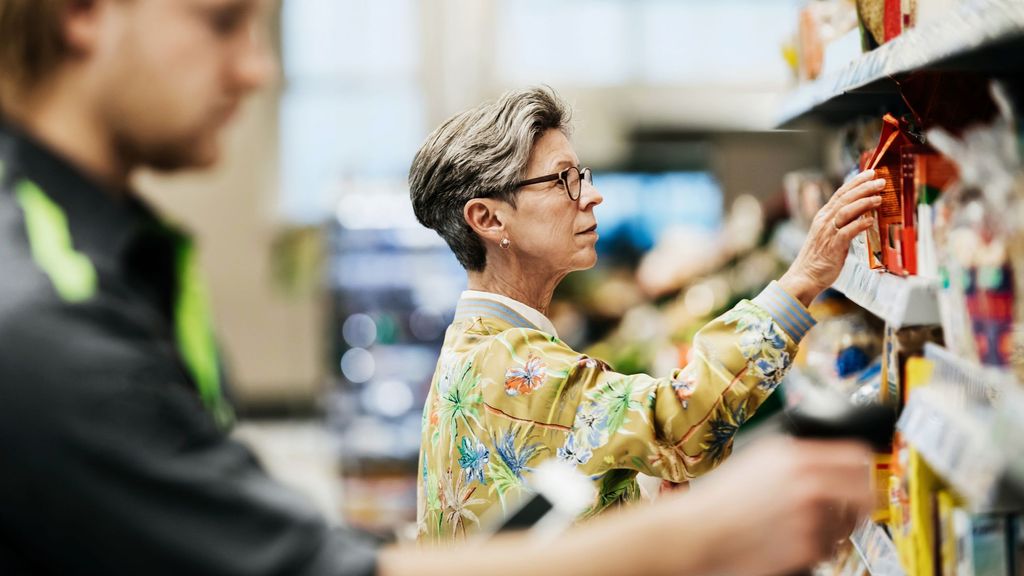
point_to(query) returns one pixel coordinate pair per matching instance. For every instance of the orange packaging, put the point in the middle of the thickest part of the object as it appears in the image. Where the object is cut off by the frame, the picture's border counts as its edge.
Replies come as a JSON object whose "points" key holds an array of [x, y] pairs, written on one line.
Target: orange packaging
{"points": [[885, 237], [913, 173]]}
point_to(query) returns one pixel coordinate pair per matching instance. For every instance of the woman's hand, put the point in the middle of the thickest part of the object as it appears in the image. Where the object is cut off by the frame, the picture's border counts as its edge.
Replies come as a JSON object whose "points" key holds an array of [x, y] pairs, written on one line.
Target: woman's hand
{"points": [[837, 223]]}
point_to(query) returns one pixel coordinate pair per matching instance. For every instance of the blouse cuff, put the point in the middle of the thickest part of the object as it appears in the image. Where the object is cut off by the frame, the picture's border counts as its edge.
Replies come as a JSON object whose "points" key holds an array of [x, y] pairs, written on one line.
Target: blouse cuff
{"points": [[787, 311]]}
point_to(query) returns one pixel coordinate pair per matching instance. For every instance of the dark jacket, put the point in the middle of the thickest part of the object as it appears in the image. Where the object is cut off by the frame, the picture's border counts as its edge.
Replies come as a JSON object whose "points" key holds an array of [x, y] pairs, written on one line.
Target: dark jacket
{"points": [[110, 463]]}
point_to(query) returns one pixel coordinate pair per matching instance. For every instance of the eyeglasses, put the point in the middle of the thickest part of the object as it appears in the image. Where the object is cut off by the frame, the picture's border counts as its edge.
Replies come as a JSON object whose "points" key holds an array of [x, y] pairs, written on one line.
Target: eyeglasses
{"points": [[571, 179]]}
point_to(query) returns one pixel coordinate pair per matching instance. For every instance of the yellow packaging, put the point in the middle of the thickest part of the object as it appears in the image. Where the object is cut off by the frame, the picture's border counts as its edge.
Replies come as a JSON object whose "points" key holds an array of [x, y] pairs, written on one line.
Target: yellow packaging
{"points": [[922, 483], [899, 521], [882, 473], [948, 504]]}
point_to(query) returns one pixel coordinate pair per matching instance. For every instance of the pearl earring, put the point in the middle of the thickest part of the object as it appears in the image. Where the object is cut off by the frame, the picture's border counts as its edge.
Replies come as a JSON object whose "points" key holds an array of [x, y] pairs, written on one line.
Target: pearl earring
{"points": [[505, 243]]}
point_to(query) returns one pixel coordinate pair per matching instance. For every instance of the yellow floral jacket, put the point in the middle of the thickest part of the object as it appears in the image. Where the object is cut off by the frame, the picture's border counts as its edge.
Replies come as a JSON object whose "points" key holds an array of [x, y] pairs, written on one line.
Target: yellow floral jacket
{"points": [[507, 395]]}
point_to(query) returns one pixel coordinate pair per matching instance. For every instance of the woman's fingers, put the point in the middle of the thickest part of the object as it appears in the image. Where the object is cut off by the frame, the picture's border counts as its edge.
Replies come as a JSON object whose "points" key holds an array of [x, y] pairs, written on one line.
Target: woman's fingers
{"points": [[856, 209], [847, 233], [864, 189], [852, 183], [854, 190]]}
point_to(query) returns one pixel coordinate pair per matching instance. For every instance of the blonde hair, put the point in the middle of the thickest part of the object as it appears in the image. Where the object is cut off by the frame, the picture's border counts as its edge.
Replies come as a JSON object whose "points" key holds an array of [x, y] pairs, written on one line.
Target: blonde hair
{"points": [[32, 44]]}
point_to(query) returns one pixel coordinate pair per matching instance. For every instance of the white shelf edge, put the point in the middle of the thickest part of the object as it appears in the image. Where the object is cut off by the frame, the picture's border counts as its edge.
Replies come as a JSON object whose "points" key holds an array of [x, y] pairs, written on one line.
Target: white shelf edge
{"points": [[899, 300], [969, 27], [1003, 432], [985, 383], [957, 445], [876, 550]]}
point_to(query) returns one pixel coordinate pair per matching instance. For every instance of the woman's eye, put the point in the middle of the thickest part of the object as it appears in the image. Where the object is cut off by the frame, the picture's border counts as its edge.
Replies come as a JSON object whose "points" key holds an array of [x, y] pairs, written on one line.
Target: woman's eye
{"points": [[224, 22]]}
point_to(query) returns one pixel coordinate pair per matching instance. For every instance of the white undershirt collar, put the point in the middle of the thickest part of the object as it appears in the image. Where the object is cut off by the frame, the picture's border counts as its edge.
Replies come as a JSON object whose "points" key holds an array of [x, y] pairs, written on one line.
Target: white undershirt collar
{"points": [[531, 314]]}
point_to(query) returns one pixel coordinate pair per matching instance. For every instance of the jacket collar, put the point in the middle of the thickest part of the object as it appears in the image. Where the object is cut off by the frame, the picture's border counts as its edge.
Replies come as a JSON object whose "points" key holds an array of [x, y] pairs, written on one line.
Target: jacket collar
{"points": [[475, 304]]}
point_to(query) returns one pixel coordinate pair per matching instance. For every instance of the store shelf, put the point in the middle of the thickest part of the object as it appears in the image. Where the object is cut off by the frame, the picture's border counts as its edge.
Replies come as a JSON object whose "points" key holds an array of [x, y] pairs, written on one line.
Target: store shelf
{"points": [[966, 425], [876, 549], [900, 301], [981, 383], [957, 445], [980, 35]]}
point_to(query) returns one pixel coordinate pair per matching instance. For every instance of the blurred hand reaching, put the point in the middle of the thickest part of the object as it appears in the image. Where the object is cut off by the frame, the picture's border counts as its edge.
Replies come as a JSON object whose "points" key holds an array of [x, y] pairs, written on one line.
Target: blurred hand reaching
{"points": [[783, 505]]}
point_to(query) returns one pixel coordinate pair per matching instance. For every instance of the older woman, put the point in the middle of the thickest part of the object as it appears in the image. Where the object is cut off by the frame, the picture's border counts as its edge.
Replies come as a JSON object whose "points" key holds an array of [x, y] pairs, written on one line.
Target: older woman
{"points": [[504, 188]]}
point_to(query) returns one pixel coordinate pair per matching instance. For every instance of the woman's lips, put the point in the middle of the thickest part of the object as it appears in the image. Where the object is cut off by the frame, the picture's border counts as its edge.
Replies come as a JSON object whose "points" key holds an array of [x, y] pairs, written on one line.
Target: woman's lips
{"points": [[590, 230]]}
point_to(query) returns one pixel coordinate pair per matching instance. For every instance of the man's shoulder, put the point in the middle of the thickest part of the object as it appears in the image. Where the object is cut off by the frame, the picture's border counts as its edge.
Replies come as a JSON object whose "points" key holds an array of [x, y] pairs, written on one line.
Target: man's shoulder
{"points": [[43, 337], [46, 337], [21, 280], [63, 364]]}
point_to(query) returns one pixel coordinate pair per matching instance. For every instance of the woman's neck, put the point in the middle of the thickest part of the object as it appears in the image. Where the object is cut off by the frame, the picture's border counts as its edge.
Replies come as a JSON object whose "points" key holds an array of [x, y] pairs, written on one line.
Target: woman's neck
{"points": [[533, 290]]}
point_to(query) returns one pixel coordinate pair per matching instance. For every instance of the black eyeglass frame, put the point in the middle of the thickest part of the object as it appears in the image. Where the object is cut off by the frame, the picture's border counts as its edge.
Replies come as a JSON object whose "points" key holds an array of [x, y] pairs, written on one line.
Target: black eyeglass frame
{"points": [[563, 176]]}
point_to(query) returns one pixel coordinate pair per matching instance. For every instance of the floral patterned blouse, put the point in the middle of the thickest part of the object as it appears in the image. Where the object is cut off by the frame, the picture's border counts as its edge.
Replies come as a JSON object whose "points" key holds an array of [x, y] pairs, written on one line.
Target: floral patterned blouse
{"points": [[508, 394]]}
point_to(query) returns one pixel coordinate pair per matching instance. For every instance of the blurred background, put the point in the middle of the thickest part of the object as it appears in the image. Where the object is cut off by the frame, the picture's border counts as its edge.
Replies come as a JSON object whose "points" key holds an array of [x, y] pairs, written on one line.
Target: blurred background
{"points": [[332, 301]]}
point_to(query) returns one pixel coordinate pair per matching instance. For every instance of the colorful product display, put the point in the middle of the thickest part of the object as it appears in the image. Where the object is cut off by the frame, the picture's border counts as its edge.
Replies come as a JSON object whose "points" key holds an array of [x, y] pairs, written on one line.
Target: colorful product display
{"points": [[978, 232]]}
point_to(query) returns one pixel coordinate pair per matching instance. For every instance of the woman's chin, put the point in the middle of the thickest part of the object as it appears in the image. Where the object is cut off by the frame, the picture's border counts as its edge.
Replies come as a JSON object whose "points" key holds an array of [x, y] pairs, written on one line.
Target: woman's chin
{"points": [[586, 259]]}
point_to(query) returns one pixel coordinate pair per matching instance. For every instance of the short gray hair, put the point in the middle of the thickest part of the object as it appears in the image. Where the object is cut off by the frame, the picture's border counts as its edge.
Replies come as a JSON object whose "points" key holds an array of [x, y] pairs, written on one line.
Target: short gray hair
{"points": [[479, 153]]}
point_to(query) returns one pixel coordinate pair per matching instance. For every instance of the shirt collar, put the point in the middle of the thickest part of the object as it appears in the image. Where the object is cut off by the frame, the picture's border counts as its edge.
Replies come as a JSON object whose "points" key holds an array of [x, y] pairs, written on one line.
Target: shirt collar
{"points": [[478, 303], [101, 221]]}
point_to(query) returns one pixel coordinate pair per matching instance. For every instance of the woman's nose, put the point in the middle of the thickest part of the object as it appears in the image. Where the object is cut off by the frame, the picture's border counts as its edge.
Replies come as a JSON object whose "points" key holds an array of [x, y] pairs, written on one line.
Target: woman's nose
{"points": [[590, 195]]}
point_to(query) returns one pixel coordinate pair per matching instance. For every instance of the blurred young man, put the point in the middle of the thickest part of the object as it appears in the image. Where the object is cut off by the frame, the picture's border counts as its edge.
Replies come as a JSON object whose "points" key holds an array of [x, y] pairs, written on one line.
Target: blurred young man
{"points": [[114, 455]]}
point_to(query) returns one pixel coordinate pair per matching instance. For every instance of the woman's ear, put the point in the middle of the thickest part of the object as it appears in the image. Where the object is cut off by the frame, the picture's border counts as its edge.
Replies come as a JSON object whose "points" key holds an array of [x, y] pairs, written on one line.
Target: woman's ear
{"points": [[486, 217]]}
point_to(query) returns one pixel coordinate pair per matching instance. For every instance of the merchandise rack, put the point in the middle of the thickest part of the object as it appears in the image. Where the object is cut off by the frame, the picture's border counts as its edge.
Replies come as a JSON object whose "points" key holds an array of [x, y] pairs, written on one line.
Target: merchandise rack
{"points": [[980, 35], [899, 300], [964, 426], [956, 445], [967, 423]]}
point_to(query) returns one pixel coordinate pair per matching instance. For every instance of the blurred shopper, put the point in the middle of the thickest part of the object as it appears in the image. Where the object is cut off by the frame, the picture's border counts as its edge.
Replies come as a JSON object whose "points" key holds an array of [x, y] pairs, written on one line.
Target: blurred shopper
{"points": [[114, 452], [504, 188]]}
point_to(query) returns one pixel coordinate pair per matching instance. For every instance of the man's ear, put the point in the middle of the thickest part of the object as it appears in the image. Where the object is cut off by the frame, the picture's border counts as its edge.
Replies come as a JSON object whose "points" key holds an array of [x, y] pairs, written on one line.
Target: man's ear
{"points": [[83, 24], [486, 216]]}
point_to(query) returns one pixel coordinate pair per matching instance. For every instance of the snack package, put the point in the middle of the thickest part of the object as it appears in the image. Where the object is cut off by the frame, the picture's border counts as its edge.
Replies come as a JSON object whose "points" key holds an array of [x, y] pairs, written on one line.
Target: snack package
{"points": [[900, 525], [882, 468], [921, 485], [899, 17], [872, 19], [883, 20], [913, 174], [885, 236], [897, 348]]}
